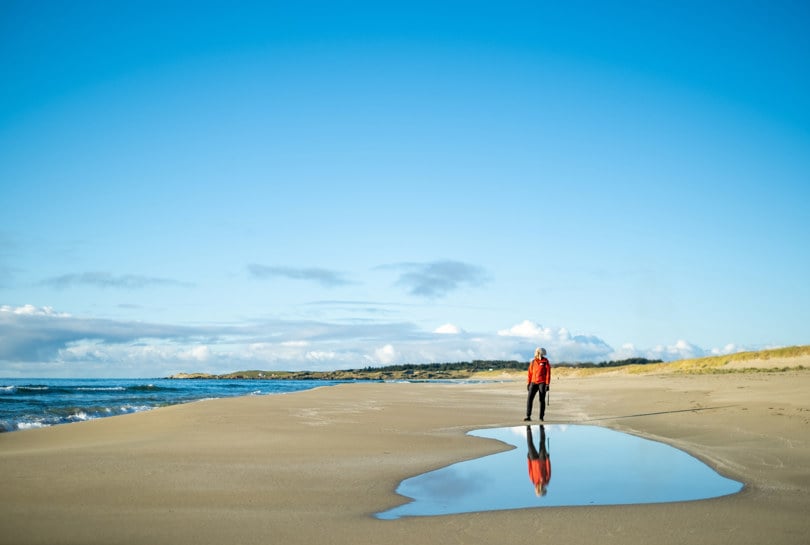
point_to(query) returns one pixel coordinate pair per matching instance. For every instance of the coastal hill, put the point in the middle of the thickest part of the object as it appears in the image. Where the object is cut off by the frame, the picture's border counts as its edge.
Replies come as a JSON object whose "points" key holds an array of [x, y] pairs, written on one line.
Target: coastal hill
{"points": [[780, 359]]}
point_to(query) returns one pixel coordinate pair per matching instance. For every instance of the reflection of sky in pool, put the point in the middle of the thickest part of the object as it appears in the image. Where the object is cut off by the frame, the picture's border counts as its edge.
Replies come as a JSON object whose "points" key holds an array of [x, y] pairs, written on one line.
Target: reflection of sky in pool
{"points": [[589, 465]]}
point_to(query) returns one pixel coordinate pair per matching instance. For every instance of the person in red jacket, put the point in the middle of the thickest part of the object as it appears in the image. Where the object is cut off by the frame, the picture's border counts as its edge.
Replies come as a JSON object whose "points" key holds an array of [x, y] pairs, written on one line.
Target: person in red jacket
{"points": [[539, 462], [538, 381]]}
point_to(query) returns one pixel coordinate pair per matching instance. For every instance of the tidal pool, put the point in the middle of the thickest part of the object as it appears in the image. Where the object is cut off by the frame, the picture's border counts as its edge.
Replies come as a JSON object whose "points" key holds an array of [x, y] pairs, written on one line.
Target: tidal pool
{"points": [[562, 465]]}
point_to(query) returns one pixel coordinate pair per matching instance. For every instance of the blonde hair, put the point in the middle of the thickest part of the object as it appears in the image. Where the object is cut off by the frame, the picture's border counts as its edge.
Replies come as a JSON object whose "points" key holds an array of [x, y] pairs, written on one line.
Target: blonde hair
{"points": [[539, 352]]}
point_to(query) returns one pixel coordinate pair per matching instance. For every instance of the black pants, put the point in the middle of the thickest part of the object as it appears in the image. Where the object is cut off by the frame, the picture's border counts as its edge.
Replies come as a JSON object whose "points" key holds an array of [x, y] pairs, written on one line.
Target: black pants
{"points": [[533, 454], [533, 390]]}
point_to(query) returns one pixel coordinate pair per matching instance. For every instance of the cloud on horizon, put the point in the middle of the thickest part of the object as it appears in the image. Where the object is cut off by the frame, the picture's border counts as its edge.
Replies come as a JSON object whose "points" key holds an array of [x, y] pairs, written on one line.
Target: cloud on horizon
{"points": [[38, 341], [34, 334], [576, 348], [324, 277], [438, 278]]}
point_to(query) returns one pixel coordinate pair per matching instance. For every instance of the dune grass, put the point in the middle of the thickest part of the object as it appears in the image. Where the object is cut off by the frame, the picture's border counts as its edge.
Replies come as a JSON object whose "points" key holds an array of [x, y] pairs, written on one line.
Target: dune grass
{"points": [[717, 364], [705, 365]]}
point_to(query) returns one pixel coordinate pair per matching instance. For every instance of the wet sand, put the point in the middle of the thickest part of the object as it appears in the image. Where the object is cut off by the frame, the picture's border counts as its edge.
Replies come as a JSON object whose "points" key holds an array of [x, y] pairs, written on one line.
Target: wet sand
{"points": [[314, 467]]}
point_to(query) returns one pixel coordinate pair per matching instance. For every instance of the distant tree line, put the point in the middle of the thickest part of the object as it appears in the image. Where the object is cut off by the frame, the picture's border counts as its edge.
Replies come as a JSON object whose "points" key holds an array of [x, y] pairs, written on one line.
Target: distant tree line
{"points": [[475, 365], [500, 365], [615, 363]]}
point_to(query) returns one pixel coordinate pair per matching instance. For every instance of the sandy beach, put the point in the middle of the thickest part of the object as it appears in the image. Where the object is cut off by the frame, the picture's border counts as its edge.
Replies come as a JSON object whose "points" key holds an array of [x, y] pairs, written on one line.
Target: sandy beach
{"points": [[314, 467]]}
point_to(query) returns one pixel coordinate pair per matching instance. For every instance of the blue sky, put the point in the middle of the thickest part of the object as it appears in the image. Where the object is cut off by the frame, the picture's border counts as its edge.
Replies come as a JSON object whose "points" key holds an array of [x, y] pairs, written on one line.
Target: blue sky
{"points": [[212, 187]]}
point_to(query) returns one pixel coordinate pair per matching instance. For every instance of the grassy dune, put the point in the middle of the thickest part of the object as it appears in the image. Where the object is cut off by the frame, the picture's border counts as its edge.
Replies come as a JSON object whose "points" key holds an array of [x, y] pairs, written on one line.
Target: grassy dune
{"points": [[779, 359], [792, 358]]}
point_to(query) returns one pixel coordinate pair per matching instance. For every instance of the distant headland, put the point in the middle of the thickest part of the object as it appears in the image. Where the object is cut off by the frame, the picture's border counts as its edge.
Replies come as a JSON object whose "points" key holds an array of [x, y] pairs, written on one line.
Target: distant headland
{"points": [[780, 359]]}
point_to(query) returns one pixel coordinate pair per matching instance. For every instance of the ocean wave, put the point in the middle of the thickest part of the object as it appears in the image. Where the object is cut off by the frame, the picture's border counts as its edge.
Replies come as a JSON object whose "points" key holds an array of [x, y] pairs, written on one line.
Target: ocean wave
{"points": [[100, 389], [78, 416], [147, 388], [30, 425], [36, 389], [37, 403], [68, 416]]}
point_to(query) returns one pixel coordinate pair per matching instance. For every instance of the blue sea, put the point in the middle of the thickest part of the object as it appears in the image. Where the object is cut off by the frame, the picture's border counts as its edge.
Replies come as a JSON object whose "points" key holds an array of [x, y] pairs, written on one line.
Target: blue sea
{"points": [[37, 403]]}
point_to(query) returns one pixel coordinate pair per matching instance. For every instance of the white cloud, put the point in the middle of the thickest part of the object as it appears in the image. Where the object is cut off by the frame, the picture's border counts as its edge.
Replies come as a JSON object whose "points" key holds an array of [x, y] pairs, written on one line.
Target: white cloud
{"points": [[560, 343], [727, 349], [31, 310], [37, 340], [626, 351], [448, 329], [528, 330], [83, 352], [141, 353], [680, 350], [320, 355], [385, 355], [196, 353]]}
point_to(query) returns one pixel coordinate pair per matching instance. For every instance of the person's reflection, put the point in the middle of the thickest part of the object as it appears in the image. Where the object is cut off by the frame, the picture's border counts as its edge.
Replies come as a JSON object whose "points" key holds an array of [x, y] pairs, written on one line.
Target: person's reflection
{"points": [[539, 462]]}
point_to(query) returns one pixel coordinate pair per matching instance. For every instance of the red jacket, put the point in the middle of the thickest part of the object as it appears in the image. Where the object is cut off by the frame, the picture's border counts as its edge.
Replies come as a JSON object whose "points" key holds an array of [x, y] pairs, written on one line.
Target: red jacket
{"points": [[539, 371], [540, 470]]}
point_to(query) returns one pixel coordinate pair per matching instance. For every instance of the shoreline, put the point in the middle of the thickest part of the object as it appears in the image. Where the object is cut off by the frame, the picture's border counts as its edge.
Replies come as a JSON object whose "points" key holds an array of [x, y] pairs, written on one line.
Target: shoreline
{"points": [[317, 465], [41, 403]]}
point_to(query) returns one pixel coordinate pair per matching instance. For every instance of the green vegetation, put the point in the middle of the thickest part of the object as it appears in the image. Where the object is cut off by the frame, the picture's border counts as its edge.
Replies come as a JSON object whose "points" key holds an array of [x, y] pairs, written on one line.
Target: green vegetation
{"points": [[408, 371], [717, 364], [465, 370], [612, 363]]}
